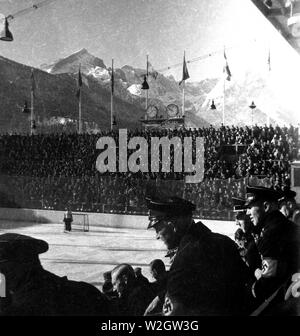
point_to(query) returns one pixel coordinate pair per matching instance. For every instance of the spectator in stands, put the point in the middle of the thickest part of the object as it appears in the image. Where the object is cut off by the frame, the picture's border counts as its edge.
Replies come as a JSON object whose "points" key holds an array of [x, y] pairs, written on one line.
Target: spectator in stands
{"points": [[158, 287], [240, 239], [51, 169], [134, 297], [141, 279], [31, 290], [198, 253], [277, 245], [246, 237], [288, 206], [107, 287], [160, 274]]}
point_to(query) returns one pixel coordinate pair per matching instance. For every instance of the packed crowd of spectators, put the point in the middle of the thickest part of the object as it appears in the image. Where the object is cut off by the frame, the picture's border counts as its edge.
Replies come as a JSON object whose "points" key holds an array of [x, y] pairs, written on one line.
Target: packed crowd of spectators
{"points": [[57, 169]]}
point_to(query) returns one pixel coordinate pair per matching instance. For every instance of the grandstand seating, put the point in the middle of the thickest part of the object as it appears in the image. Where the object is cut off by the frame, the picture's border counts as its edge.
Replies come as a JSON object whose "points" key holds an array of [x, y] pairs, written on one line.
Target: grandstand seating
{"points": [[51, 170]]}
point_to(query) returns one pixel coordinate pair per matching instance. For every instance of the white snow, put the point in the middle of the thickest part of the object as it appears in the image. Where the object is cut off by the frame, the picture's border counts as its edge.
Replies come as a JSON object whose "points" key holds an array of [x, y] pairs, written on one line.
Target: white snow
{"points": [[135, 89], [99, 73]]}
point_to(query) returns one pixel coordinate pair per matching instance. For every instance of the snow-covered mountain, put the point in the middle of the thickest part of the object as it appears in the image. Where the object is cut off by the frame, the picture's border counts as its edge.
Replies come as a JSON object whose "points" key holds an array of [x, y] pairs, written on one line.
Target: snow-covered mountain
{"points": [[56, 85], [164, 90]]}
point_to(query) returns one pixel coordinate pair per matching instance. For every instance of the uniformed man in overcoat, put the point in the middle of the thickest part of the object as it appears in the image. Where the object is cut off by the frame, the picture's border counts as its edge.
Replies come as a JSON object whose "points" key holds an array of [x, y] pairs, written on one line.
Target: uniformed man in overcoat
{"points": [[288, 206], [278, 243], [207, 275], [31, 290], [249, 252]]}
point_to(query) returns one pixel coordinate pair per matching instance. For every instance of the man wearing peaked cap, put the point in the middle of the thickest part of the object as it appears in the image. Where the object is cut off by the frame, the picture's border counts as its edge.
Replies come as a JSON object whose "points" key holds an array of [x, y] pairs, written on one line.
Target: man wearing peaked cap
{"points": [[31, 290], [239, 204], [277, 245], [288, 207], [241, 217], [17, 247], [193, 246], [249, 251], [254, 194], [162, 208]]}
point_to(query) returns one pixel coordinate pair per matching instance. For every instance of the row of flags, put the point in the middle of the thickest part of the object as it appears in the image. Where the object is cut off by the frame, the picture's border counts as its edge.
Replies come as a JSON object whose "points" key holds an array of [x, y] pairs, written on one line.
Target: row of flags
{"points": [[226, 69], [185, 72], [145, 86], [149, 72]]}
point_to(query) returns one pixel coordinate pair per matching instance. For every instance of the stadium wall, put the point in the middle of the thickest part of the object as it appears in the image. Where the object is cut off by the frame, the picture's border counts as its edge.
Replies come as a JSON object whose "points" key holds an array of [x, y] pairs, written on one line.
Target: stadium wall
{"points": [[53, 216], [99, 219]]}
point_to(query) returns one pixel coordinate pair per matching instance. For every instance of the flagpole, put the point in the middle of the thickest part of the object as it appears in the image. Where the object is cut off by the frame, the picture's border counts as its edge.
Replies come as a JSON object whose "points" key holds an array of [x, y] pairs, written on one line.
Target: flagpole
{"points": [[224, 89], [147, 82], [183, 92], [80, 116], [269, 75], [79, 101], [32, 89], [31, 112], [183, 95], [111, 97]]}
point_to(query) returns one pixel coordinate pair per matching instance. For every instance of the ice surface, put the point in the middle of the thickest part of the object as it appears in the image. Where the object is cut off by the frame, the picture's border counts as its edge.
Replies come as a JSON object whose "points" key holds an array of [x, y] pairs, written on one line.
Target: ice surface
{"points": [[86, 256]]}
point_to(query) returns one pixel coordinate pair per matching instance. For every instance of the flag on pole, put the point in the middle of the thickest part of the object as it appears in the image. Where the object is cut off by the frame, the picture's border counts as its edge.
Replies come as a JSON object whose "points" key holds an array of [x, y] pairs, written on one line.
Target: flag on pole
{"points": [[79, 83], [185, 73], [269, 60], [226, 68], [33, 86], [150, 71]]}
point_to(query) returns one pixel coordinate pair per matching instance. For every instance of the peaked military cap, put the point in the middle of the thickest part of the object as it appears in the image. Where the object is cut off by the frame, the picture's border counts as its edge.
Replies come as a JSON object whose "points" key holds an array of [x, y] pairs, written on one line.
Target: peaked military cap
{"points": [[238, 204], [255, 194], [17, 247], [287, 195], [161, 208]]}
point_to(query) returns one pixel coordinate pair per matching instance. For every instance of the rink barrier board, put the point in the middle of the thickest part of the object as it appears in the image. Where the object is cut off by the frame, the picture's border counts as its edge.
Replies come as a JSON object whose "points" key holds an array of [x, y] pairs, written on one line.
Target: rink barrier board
{"points": [[95, 219]]}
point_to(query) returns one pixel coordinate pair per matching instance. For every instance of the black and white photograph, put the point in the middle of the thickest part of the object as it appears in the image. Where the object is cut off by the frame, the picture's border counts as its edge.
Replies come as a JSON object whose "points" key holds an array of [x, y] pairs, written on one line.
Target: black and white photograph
{"points": [[149, 160]]}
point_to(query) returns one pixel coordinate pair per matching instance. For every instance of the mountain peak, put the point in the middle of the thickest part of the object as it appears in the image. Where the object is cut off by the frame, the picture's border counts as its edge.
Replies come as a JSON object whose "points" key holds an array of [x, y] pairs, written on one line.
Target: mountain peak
{"points": [[81, 52], [70, 64]]}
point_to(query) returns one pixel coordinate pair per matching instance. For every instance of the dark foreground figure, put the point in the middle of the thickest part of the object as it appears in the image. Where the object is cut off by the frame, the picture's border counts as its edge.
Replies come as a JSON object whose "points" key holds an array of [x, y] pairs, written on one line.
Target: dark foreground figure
{"points": [[31, 290], [207, 275], [134, 295]]}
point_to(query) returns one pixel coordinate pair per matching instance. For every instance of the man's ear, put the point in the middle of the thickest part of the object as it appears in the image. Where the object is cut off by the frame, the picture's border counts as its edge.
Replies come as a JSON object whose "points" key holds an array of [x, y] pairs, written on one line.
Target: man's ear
{"points": [[267, 206], [172, 226]]}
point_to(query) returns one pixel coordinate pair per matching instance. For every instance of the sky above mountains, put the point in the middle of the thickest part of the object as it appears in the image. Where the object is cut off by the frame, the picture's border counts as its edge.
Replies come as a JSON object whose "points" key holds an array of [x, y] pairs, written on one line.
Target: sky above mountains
{"points": [[128, 30]]}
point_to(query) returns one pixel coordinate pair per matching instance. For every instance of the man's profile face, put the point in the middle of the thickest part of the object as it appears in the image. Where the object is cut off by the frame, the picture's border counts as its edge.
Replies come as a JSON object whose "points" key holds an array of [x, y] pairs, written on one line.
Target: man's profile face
{"points": [[154, 274], [241, 223], [118, 283], [287, 208], [256, 212], [244, 223], [166, 233]]}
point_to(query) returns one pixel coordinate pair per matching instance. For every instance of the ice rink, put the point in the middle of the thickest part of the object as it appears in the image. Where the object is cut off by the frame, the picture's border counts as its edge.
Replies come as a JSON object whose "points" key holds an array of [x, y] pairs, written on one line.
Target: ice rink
{"points": [[86, 256]]}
